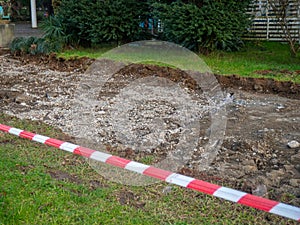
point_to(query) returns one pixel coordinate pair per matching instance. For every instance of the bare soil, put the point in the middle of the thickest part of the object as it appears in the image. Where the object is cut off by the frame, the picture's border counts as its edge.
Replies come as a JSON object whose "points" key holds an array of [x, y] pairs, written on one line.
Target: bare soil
{"points": [[263, 117]]}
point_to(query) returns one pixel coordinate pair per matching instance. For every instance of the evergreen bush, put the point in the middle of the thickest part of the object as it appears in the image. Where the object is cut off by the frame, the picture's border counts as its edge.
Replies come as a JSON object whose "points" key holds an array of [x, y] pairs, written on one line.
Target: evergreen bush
{"points": [[200, 25], [33, 46], [204, 25], [92, 22]]}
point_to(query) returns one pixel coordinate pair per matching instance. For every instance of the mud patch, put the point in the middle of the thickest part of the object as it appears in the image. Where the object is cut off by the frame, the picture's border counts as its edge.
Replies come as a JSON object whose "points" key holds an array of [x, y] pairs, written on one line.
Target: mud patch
{"points": [[64, 176], [24, 169], [95, 184], [126, 197]]}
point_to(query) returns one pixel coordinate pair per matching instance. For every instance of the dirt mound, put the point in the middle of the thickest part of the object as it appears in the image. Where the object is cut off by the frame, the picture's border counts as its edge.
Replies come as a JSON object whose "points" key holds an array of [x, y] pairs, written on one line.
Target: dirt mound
{"points": [[261, 85], [257, 85], [79, 64], [4, 51]]}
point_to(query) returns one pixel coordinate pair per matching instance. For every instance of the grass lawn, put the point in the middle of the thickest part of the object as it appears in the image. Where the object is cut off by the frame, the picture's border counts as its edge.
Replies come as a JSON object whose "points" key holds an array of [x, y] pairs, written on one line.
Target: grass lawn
{"points": [[256, 59], [43, 185], [271, 57]]}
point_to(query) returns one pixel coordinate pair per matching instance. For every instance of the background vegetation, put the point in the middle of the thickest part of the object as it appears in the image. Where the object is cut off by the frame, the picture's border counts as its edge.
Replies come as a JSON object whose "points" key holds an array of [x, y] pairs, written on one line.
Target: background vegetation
{"points": [[19, 10], [92, 22], [198, 25], [204, 25]]}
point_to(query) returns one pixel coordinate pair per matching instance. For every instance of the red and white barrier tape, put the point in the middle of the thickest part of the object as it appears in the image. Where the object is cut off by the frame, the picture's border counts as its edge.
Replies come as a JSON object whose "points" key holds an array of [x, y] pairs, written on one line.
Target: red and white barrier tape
{"points": [[243, 198]]}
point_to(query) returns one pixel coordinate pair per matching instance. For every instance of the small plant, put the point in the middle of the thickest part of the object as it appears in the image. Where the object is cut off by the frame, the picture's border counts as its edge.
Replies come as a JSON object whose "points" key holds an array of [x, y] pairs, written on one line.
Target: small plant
{"points": [[54, 39], [33, 46], [54, 30]]}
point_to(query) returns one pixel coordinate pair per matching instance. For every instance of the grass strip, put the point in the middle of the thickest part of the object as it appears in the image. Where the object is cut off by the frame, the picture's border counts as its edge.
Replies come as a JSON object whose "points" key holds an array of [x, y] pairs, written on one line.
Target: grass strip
{"points": [[257, 59], [40, 185]]}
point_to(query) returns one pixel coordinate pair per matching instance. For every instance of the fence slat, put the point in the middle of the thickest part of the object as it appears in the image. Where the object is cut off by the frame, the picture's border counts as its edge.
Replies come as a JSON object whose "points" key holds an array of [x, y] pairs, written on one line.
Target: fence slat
{"points": [[265, 24]]}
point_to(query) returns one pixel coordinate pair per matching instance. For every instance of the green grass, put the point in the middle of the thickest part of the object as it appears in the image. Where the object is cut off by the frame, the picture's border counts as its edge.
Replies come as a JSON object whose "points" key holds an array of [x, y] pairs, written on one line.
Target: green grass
{"points": [[93, 53], [256, 56], [30, 194], [256, 59]]}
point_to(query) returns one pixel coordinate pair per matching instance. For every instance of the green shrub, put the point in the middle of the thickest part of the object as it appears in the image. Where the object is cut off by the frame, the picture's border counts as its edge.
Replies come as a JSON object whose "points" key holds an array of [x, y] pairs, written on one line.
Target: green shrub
{"points": [[33, 46], [91, 22], [201, 25], [54, 39], [182, 23], [56, 4], [204, 25], [54, 30]]}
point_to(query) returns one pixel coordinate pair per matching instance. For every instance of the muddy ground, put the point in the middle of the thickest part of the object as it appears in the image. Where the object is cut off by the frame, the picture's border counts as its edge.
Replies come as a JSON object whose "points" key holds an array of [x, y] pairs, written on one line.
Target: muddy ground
{"points": [[263, 117]]}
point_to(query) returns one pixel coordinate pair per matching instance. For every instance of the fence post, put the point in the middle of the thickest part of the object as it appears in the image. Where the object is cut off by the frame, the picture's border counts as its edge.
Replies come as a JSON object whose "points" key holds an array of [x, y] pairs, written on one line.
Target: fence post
{"points": [[33, 14], [268, 19], [298, 15]]}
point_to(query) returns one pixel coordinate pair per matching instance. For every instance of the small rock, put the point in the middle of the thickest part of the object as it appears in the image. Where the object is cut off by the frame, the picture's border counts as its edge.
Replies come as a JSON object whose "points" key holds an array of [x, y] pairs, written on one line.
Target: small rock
{"points": [[249, 168], [275, 167], [51, 95], [167, 190], [280, 106], [293, 144], [288, 167], [246, 162], [258, 88], [297, 167], [260, 190], [295, 182], [23, 99], [274, 161], [290, 170], [295, 159], [276, 175]]}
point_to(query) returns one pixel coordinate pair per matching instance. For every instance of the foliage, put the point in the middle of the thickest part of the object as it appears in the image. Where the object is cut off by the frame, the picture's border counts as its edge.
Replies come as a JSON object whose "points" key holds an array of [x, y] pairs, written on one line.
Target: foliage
{"points": [[54, 39], [199, 25], [20, 9], [120, 22], [204, 25], [33, 46], [92, 22], [54, 30], [6, 6], [56, 4]]}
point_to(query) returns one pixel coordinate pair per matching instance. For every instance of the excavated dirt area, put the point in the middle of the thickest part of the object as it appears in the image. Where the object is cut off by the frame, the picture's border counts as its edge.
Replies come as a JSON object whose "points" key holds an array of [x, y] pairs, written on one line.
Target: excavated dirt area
{"points": [[263, 117]]}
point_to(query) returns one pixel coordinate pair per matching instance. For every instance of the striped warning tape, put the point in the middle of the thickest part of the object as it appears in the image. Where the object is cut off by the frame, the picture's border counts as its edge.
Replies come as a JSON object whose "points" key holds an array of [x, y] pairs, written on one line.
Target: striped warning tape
{"points": [[243, 198]]}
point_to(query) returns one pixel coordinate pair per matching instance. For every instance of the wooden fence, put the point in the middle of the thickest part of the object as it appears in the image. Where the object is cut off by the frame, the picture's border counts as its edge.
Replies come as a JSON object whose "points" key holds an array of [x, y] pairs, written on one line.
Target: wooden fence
{"points": [[266, 25]]}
